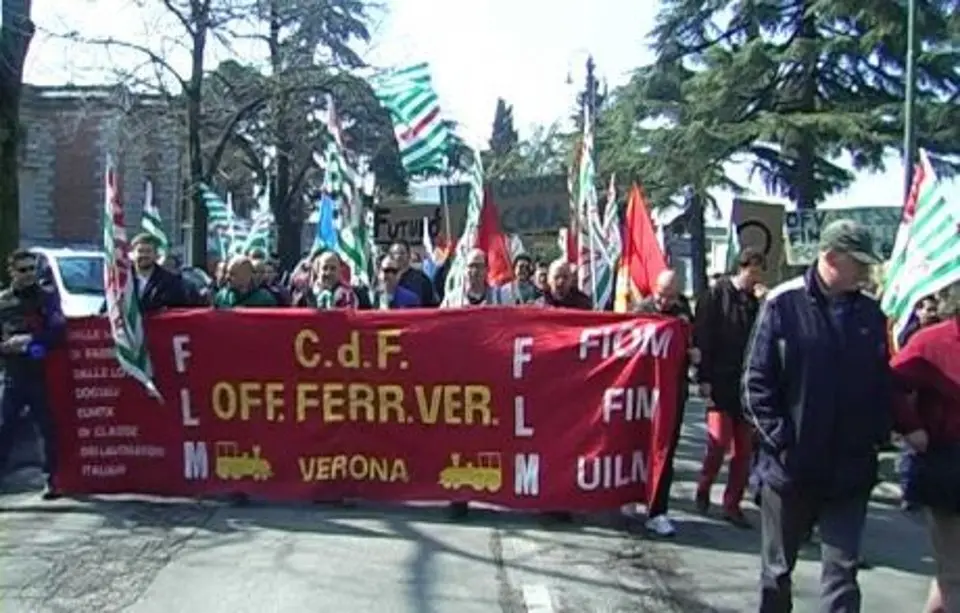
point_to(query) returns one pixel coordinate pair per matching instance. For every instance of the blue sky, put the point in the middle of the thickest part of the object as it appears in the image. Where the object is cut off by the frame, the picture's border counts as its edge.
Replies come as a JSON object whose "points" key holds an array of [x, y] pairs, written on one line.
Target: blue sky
{"points": [[521, 50]]}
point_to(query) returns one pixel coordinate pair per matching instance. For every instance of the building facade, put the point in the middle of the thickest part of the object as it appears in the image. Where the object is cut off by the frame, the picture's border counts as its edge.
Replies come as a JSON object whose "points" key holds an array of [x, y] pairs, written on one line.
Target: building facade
{"points": [[68, 135]]}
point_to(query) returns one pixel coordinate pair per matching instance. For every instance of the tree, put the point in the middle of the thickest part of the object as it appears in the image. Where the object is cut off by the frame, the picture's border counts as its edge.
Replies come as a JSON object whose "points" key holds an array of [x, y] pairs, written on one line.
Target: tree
{"points": [[197, 21], [791, 85], [16, 32], [309, 48], [503, 137]]}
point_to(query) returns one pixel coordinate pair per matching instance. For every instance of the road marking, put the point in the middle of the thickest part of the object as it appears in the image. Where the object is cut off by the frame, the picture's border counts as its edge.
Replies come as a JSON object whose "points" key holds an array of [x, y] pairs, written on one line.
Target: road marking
{"points": [[537, 599]]}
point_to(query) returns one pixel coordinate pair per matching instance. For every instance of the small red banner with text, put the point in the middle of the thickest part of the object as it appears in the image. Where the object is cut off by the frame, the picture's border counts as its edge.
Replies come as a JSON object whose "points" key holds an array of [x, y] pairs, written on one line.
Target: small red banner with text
{"points": [[522, 408]]}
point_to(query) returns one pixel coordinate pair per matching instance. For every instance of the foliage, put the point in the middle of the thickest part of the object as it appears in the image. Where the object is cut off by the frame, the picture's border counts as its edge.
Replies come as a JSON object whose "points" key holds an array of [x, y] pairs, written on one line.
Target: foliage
{"points": [[503, 137], [788, 86]]}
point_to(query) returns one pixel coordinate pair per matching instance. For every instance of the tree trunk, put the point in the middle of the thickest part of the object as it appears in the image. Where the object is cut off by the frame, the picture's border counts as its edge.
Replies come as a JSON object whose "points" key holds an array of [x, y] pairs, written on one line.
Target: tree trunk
{"points": [[698, 242], [804, 180], [15, 35], [194, 94], [282, 199]]}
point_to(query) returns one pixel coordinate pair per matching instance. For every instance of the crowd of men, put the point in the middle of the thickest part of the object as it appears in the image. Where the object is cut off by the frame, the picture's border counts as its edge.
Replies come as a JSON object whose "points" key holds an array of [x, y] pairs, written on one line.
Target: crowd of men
{"points": [[796, 380]]}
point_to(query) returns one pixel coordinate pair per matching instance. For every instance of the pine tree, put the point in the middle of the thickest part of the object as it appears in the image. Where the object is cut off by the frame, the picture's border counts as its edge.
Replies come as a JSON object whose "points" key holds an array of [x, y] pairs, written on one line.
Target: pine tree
{"points": [[504, 137], [793, 84]]}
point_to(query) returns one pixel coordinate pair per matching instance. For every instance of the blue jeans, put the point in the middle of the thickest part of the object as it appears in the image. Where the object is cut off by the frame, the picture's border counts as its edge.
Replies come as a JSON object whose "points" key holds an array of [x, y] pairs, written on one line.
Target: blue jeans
{"points": [[17, 395]]}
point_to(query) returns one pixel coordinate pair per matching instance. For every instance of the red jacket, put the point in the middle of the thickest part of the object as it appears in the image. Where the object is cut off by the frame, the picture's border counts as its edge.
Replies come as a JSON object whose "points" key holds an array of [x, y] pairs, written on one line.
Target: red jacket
{"points": [[930, 366]]}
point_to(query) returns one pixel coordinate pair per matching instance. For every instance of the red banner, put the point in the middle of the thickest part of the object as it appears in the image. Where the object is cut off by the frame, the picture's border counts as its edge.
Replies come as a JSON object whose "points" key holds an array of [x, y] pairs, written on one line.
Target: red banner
{"points": [[523, 408]]}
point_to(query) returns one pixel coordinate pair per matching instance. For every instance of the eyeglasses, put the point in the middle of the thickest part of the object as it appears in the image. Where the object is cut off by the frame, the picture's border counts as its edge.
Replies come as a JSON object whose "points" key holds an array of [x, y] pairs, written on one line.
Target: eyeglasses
{"points": [[389, 271], [23, 270]]}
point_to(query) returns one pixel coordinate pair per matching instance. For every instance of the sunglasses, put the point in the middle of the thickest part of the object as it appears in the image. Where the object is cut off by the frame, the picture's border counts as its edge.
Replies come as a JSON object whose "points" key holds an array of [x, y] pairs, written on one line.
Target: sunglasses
{"points": [[23, 270], [389, 271]]}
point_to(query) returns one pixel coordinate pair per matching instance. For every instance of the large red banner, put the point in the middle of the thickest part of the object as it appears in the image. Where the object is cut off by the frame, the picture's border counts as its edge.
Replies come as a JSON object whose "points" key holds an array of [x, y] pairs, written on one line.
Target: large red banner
{"points": [[524, 408]]}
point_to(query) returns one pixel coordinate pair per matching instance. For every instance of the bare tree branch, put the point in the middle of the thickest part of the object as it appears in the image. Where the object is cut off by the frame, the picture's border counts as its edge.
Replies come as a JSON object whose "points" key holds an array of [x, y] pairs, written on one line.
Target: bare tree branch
{"points": [[155, 58]]}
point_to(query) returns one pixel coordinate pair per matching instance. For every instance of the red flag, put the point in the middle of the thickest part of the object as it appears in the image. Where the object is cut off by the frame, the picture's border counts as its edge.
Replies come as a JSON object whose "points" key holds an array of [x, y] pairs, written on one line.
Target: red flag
{"points": [[642, 259], [492, 241]]}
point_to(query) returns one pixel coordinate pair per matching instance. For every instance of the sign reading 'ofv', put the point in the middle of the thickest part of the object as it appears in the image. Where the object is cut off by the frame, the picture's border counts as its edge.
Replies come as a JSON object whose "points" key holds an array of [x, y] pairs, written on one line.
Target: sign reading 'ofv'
{"points": [[802, 229]]}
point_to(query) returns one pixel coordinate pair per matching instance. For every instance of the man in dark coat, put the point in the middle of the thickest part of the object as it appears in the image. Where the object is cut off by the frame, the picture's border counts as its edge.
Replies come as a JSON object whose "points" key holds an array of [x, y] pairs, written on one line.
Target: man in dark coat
{"points": [[725, 316], [818, 389], [667, 300], [31, 323], [157, 288]]}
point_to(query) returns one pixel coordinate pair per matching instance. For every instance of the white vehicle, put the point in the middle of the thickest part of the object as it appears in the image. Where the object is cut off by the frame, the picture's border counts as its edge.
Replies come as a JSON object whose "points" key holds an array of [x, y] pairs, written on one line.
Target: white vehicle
{"points": [[78, 277]]}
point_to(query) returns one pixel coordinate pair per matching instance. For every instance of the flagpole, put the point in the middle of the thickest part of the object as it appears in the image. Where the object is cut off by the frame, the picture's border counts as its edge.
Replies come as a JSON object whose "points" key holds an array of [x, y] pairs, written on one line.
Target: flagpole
{"points": [[909, 135]]}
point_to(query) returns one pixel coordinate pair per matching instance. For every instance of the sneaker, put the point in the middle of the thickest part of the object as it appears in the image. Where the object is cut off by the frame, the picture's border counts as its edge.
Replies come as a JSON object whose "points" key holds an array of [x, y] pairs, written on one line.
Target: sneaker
{"points": [[49, 493], [660, 525], [702, 501]]}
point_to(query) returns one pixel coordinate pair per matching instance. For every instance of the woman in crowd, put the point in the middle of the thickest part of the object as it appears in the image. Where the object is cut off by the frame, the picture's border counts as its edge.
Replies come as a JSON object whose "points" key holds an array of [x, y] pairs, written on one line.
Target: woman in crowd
{"points": [[928, 368]]}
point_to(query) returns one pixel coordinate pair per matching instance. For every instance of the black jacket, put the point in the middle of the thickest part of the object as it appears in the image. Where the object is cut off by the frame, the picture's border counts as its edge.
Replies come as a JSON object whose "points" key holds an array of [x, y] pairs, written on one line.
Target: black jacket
{"points": [[421, 285], [164, 290], [34, 310], [818, 387], [721, 331]]}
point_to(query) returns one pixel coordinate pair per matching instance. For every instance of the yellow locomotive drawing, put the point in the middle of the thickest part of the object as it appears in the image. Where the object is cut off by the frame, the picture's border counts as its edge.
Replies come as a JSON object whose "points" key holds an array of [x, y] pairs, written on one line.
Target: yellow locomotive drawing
{"points": [[485, 475], [233, 465]]}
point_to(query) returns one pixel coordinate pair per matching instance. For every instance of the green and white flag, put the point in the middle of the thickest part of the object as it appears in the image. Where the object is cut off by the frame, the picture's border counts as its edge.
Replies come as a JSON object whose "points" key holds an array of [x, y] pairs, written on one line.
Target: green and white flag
{"points": [[422, 136], [590, 255], [151, 222], [123, 305], [219, 219], [355, 244], [926, 253], [259, 235], [456, 287]]}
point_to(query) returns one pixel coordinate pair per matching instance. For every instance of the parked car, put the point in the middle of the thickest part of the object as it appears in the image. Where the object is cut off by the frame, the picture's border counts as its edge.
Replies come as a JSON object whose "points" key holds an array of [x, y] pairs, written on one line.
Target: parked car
{"points": [[78, 277]]}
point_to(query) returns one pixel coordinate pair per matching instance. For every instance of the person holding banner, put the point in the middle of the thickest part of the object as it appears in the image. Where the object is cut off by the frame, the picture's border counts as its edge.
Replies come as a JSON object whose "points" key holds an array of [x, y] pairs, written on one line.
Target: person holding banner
{"points": [[390, 294], [242, 288], [31, 323], [818, 389], [562, 291], [157, 288], [477, 292], [326, 289], [667, 300]]}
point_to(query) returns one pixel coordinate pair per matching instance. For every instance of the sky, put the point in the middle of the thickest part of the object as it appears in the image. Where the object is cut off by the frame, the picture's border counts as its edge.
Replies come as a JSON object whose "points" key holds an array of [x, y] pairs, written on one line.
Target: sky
{"points": [[520, 50]]}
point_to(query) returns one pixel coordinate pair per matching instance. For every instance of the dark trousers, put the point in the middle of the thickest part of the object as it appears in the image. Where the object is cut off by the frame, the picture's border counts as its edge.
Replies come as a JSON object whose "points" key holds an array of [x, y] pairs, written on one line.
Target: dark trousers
{"points": [[661, 498], [786, 517], [17, 396]]}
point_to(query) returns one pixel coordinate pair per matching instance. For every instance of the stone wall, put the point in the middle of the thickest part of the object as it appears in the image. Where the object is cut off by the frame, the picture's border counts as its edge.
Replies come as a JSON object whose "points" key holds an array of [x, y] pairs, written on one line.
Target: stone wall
{"points": [[68, 135]]}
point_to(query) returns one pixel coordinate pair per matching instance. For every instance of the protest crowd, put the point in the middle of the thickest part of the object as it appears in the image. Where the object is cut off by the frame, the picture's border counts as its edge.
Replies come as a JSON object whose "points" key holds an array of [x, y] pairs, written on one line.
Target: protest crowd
{"points": [[801, 382], [809, 351]]}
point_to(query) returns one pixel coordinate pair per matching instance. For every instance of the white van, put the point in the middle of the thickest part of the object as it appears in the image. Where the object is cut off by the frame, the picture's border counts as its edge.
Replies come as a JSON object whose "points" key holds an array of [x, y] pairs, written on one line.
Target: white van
{"points": [[78, 277]]}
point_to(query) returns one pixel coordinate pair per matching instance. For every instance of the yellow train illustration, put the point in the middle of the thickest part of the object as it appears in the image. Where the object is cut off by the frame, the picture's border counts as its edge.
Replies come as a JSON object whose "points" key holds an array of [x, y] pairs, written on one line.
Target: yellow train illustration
{"points": [[233, 465], [483, 475]]}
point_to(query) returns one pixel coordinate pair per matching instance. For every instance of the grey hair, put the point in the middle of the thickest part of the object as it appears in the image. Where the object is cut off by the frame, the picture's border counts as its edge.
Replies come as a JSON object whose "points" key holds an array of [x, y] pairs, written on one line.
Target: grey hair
{"points": [[948, 301]]}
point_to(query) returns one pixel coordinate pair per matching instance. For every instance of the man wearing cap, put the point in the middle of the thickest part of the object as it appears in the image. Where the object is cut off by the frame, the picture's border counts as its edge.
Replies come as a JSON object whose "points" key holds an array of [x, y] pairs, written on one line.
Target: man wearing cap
{"points": [[817, 388]]}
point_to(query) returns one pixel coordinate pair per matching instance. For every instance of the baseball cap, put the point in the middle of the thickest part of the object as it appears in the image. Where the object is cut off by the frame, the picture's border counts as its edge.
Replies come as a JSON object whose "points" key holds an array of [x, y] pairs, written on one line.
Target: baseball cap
{"points": [[848, 236]]}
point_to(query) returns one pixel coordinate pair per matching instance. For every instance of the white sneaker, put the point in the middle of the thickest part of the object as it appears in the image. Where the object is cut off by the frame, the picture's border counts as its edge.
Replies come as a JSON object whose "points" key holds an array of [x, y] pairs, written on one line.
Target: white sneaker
{"points": [[660, 525]]}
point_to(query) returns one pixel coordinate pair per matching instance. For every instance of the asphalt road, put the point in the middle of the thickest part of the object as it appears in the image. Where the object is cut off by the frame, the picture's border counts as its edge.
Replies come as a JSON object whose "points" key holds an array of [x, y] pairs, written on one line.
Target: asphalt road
{"points": [[142, 556]]}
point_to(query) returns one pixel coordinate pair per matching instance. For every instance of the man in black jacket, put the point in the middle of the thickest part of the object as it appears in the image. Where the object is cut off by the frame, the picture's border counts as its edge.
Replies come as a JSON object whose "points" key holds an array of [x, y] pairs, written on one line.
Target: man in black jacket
{"points": [[667, 300], [31, 324], [724, 319], [818, 389], [157, 288]]}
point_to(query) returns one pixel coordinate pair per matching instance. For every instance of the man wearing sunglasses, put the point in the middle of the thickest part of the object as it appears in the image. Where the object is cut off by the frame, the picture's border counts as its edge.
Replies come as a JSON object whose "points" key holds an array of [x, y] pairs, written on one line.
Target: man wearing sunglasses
{"points": [[31, 323], [390, 294]]}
